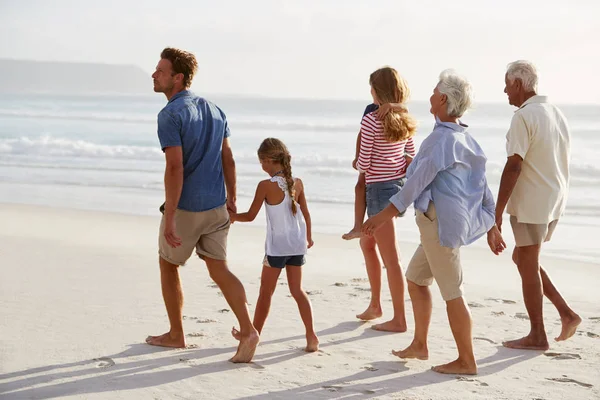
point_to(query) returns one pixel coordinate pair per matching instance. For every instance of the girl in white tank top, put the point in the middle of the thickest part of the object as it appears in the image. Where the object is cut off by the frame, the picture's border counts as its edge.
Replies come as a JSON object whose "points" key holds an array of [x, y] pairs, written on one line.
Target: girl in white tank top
{"points": [[288, 234]]}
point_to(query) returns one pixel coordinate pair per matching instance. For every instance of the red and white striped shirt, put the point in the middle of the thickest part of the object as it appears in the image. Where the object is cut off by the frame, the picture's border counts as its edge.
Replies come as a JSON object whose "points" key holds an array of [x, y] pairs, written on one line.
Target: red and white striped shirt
{"points": [[378, 159]]}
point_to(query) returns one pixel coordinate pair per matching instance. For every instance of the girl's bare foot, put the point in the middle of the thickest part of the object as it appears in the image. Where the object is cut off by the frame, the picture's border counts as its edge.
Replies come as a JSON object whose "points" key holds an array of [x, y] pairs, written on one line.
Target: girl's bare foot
{"points": [[391, 326], [353, 234], [457, 367], [312, 343], [415, 350], [167, 340], [370, 314]]}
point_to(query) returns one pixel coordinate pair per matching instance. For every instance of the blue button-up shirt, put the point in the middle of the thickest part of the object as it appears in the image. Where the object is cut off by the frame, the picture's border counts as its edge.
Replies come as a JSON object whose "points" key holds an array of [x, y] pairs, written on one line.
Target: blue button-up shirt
{"points": [[199, 127], [449, 170]]}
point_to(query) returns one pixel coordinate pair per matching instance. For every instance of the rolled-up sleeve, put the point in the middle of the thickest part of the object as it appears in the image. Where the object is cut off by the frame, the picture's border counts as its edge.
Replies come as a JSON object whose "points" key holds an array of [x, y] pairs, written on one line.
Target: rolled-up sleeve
{"points": [[169, 130]]}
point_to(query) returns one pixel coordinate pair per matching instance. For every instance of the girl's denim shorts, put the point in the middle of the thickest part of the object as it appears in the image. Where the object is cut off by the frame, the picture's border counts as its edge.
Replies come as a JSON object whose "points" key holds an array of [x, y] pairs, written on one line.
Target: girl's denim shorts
{"points": [[380, 193]]}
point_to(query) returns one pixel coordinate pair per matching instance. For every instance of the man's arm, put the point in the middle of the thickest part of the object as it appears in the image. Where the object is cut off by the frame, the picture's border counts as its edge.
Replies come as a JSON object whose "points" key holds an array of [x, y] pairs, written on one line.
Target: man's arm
{"points": [[510, 175], [229, 174], [173, 187]]}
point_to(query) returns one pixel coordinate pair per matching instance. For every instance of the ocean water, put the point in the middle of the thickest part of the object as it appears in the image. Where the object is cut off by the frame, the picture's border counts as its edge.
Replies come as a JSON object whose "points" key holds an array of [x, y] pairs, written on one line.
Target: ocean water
{"points": [[102, 153]]}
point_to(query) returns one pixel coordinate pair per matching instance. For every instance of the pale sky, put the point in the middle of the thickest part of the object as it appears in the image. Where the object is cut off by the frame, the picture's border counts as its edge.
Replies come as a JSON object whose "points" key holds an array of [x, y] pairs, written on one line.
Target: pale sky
{"points": [[321, 49]]}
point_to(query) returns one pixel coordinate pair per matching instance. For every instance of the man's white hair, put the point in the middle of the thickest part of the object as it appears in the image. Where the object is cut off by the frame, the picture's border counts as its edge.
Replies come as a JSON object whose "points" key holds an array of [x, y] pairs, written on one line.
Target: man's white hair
{"points": [[526, 72], [458, 90]]}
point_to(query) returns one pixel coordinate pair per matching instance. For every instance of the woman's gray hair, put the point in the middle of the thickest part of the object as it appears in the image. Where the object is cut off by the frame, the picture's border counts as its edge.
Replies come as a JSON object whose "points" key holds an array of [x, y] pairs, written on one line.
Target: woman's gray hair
{"points": [[458, 90], [526, 72]]}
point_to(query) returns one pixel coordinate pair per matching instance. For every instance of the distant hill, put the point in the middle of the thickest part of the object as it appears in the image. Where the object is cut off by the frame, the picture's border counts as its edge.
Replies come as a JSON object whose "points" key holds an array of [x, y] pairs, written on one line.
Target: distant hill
{"points": [[22, 76]]}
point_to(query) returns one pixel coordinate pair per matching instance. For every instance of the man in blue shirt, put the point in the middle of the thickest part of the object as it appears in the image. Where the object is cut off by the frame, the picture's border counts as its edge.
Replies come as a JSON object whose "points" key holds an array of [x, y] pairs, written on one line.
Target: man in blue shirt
{"points": [[447, 184], [200, 187]]}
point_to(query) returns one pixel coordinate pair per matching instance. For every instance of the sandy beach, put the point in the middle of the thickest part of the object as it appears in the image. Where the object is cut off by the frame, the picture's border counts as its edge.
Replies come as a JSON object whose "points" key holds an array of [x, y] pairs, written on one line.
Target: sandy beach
{"points": [[80, 290]]}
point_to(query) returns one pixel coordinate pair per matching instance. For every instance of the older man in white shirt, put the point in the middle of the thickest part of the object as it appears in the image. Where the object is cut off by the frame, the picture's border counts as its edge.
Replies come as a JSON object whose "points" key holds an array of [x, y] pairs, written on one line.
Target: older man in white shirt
{"points": [[534, 190]]}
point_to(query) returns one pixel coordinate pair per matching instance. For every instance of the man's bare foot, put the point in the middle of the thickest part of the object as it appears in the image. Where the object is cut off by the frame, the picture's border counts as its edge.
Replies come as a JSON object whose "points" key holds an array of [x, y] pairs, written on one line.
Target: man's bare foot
{"points": [[353, 234], [246, 348], [167, 340], [458, 367], [527, 343], [569, 327], [370, 314], [390, 326], [312, 343], [235, 333], [415, 350]]}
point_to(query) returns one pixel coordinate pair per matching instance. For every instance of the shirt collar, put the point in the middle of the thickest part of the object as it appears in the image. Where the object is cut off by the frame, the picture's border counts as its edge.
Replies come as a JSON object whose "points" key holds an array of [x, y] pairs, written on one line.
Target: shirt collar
{"points": [[535, 99], [181, 94], [460, 127]]}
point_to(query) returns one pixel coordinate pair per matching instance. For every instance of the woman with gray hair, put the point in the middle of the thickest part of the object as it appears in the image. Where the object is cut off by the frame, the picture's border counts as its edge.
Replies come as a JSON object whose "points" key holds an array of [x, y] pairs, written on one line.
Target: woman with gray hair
{"points": [[454, 207]]}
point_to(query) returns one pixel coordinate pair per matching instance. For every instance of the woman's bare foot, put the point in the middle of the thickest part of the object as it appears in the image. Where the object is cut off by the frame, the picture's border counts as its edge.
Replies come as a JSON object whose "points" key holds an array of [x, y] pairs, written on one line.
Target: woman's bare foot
{"points": [[235, 333], [415, 350], [246, 348], [458, 367], [569, 327], [391, 326], [370, 314], [353, 234], [167, 340], [527, 343], [312, 343]]}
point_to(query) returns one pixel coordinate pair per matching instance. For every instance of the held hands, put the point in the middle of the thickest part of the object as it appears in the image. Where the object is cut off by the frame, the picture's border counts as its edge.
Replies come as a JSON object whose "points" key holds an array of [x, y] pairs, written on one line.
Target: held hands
{"points": [[495, 241], [231, 209], [372, 224]]}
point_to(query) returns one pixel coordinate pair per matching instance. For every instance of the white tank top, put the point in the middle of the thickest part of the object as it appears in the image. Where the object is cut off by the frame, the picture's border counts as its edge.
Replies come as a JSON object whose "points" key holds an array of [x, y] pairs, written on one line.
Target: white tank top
{"points": [[286, 232]]}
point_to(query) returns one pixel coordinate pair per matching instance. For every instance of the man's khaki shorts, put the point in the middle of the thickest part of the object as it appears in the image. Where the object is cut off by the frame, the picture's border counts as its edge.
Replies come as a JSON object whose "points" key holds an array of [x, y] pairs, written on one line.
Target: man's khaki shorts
{"points": [[531, 234], [432, 260], [206, 231]]}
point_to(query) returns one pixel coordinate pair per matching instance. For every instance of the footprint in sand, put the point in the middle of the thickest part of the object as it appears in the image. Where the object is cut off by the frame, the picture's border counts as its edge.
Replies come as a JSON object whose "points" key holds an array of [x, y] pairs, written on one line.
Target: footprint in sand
{"points": [[206, 321], [521, 315], [465, 379], [340, 284], [104, 362], [485, 340], [213, 286], [333, 388], [504, 301], [195, 334], [368, 391], [569, 380], [360, 280], [352, 295], [473, 304], [592, 335], [371, 368], [595, 319], [313, 292], [362, 289], [497, 313], [224, 310], [563, 356], [283, 283]]}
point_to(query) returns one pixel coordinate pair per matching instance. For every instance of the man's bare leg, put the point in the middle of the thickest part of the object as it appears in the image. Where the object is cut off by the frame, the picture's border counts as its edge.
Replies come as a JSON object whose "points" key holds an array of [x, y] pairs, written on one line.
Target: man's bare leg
{"points": [[294, 276], [529, 269], [360, 208], [173, 297], [570, 320], [388, 247], [234, 293], [369, 250], [422, 305], [461, 325]]}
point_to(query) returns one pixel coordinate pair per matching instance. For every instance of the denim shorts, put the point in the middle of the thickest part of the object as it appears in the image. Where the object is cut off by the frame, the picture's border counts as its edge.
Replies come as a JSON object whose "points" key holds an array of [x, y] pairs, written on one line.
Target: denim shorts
{"points": [[283, 261], [380, 193]]}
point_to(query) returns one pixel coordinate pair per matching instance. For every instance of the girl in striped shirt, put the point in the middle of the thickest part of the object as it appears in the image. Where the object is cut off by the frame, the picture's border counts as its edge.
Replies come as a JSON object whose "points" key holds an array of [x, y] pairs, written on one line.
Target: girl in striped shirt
{"points": [[386, 150]]}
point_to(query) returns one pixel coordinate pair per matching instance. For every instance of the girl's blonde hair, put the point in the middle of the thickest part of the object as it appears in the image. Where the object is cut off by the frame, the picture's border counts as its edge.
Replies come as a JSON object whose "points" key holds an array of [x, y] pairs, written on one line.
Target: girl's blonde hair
{"points": [[390, 87], [274, 150]]}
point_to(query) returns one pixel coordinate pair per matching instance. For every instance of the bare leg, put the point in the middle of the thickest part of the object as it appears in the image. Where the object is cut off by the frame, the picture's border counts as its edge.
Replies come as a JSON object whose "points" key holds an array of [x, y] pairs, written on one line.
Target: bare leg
{"points": [[422, 306], [461, 325], [360, 208], [173, 297], [369, 250], [527, 258], [234, 293], [294, 276], [388, 247]]}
